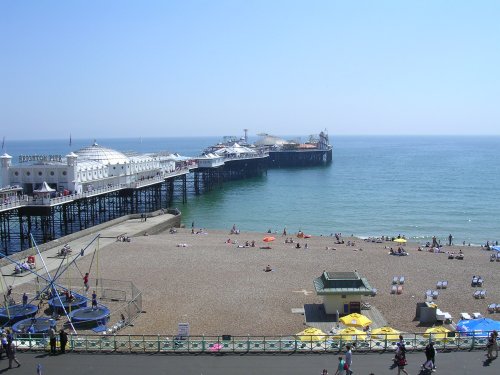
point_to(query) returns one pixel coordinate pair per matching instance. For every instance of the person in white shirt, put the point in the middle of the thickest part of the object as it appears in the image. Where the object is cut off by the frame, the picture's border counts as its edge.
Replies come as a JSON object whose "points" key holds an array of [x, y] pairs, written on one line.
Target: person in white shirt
{"points": [[348, 359]]}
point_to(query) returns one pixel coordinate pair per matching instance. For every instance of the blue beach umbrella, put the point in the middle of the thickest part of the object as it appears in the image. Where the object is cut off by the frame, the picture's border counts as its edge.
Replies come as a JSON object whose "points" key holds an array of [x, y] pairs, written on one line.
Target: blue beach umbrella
{"points": [[477, 327], [496, 248]]}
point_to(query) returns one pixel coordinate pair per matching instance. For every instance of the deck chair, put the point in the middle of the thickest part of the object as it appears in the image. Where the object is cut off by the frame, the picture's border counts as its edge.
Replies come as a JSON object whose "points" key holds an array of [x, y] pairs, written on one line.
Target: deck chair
{"points": [[479, 281], [497, 309], [428, 293], [435, 294], [477, 315], [394, 289], [492, 257], [492, 307], [482, 294], [498, 257], [439, 284], [474, 281], [465, 316], [400, 289], [395, 280], [445, 284], [402, 280], [477, 294], [374, 292]]}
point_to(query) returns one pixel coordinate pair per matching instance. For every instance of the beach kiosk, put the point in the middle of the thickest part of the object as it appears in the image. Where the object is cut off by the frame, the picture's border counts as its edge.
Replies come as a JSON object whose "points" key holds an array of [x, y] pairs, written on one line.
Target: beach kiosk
{"points": [[342, 291], [44, 193]]}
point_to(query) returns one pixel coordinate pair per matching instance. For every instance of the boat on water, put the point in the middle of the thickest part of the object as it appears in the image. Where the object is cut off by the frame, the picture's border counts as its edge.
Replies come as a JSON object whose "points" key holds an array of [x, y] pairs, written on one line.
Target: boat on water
{"points": [[316, 151]]}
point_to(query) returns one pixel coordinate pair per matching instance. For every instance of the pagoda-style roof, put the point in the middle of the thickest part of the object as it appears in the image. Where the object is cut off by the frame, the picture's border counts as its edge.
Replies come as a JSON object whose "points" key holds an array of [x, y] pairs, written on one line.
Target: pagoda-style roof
{"points": [[331, 283], [45, 188]]}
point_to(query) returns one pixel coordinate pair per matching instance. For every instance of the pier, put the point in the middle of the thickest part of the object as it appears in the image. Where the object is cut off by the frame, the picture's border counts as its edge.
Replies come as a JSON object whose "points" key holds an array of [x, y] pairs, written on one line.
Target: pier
{"points": [[50, 196], [150, 184]]}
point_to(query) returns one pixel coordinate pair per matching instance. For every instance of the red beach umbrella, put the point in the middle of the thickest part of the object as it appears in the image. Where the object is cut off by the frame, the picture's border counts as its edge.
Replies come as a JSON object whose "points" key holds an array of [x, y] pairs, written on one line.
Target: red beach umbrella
{"points": [[268, 239]]}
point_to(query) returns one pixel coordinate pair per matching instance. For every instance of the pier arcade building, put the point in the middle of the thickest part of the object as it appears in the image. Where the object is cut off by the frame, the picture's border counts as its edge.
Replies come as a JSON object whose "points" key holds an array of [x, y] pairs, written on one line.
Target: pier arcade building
{"points": [[87, 169]]}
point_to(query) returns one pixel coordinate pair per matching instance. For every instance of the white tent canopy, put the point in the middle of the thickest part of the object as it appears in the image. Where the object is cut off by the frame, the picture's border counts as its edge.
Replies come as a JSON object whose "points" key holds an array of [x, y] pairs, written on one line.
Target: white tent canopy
{"points": [[45, 188]]}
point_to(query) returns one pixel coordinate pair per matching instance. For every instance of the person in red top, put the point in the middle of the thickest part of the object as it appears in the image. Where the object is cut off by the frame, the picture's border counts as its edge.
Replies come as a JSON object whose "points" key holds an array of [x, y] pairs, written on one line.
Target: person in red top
{"points": [[86, 281]]}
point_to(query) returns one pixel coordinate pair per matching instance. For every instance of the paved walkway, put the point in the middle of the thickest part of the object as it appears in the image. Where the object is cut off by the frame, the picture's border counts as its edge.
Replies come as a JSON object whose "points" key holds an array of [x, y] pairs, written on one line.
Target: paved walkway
{"points": [[108, 235], [455, 363]]}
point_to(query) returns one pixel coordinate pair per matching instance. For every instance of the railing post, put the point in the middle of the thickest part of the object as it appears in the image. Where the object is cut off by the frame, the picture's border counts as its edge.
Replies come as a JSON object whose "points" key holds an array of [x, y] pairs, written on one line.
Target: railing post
{"points": [[248, 343], [203, 343], [159, 345], [114, 342], [473, 339]]}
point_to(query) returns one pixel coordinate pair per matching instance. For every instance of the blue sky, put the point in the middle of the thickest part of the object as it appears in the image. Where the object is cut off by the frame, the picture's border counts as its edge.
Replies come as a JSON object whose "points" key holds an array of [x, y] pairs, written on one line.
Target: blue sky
{"points": [[180, 68]]}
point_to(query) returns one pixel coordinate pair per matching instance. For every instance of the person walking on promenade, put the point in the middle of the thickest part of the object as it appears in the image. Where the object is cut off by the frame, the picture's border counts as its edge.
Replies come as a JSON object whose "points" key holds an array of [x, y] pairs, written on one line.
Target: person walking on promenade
{"points": [[495, 344], [11, 354], [52, 340], [4, 344], [63, 340], [430, 357], [340, 367], [348, 360], [492, 345], [401, 362]]}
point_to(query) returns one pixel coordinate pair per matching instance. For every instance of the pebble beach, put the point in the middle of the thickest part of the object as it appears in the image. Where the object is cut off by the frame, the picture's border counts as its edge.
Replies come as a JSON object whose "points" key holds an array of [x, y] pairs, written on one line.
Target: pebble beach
{"points": [[220, 288]]}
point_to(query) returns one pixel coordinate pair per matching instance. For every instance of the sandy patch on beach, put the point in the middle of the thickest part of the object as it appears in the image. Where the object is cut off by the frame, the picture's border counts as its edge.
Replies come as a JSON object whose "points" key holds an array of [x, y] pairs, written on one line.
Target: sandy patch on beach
{"points": [[222, 289]]}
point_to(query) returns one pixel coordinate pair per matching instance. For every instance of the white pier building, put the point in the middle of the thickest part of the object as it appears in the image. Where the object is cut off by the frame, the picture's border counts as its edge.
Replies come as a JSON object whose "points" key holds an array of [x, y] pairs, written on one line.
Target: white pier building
{"points": [[90, 168]]}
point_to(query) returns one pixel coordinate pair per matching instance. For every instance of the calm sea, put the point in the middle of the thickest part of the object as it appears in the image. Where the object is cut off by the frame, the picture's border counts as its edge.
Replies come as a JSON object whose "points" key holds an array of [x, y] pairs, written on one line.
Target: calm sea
{"points": [[417, 186]]}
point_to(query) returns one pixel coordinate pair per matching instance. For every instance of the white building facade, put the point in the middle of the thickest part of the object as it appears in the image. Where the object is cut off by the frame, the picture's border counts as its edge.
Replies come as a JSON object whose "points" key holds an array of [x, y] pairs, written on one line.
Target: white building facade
{"points": [[89, 168]]}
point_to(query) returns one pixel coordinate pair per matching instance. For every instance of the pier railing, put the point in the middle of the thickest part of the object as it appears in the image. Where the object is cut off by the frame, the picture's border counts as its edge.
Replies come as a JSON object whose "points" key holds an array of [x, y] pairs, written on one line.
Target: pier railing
{"points": [[31, 201], [244, 344]]}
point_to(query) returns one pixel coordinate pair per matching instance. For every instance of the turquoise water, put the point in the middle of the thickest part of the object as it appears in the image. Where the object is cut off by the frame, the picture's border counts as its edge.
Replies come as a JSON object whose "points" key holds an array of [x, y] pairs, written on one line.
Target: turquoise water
{"points": [[417, 186]]}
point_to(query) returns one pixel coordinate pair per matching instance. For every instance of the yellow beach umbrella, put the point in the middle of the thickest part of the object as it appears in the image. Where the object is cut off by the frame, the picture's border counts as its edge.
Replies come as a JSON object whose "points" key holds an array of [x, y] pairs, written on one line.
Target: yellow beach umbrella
{"points": [[355, 320], [388, 333], [400, 240], [350, 333], [311, 334], [437, 333]]}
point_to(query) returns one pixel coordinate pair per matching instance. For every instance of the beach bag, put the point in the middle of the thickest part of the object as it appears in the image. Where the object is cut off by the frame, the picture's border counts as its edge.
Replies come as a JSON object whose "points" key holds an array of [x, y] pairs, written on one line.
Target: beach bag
{"points": [[402, 362], [346, 366]]}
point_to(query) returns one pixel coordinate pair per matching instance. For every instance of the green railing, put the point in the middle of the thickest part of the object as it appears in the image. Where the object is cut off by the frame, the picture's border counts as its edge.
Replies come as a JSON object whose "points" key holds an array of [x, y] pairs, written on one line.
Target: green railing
{"points": [[244, 344]]}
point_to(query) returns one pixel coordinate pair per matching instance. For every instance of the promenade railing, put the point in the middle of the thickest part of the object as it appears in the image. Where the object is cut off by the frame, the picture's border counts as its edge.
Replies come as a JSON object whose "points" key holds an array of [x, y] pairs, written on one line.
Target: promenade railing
{"points": [[243, 344]]}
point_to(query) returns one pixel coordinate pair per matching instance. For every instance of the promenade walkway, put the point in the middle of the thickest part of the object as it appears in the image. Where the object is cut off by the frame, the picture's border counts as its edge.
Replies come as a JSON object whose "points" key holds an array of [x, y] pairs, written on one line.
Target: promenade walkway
{"points": [[128, 228], [453, 363]]}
